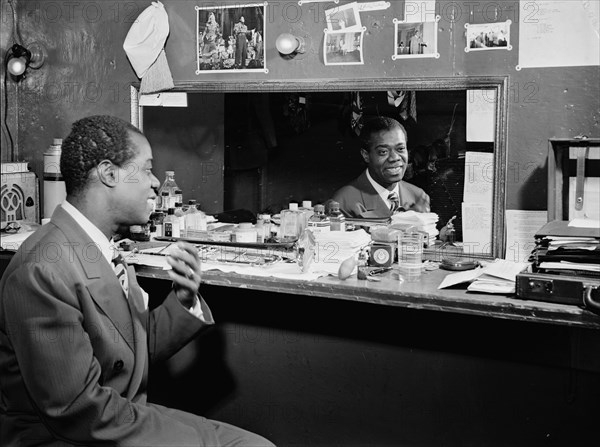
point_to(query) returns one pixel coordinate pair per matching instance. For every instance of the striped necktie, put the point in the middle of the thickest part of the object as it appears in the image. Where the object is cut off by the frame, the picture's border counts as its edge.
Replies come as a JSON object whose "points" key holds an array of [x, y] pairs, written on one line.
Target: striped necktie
{"points": [[395, 202], [120, 268]]}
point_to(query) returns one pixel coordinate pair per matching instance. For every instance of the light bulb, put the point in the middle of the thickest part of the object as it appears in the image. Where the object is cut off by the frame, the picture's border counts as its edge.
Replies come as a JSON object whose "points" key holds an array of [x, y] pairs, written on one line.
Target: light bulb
{"points": [[17, 65], [288, 44]]}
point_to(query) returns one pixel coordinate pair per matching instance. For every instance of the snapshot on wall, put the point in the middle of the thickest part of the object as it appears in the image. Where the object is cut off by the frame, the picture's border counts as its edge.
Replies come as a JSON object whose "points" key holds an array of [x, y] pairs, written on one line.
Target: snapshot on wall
{"points": [[345, 17], [343, 47], [231, 38], [488, 36], [415, 39]]}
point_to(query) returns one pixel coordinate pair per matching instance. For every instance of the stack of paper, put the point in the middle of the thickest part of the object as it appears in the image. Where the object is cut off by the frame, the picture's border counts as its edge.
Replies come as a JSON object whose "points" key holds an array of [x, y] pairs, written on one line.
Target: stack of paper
{"points": [[422, 221], [333, 248], [496, 277]]}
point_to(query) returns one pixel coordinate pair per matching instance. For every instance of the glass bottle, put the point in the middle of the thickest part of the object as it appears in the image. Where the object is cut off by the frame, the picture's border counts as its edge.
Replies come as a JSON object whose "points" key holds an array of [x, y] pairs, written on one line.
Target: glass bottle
{"points": [[338, 220], [291, 223], [308, 210], [169, 186], [319, 222], [171, 224]]}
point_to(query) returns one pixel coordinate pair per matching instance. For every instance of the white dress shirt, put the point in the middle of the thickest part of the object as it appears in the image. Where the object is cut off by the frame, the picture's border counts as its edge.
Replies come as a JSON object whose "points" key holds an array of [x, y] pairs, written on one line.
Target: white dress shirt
{"points": [[384, 193]]}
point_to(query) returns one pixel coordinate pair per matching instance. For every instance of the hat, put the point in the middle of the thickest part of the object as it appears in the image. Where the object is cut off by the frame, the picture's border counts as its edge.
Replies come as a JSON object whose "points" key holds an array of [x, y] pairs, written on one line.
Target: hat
{"points": [[144, 46]]}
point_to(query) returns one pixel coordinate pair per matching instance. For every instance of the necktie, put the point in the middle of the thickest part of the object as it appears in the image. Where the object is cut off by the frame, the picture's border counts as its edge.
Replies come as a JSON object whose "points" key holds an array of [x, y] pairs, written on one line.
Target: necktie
{"points": [[120, 268], [395, 202]]}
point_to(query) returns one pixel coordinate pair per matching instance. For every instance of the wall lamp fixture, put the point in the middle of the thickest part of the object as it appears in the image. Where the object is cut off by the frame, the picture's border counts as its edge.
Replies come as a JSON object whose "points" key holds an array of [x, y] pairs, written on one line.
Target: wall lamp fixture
{"points": [[288, 44], [19, 58]]}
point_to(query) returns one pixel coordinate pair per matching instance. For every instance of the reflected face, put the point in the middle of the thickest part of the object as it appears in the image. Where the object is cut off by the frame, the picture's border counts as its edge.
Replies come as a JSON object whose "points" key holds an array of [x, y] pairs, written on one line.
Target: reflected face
{"points": [[242, 19], [387, 156], [135, 191]]}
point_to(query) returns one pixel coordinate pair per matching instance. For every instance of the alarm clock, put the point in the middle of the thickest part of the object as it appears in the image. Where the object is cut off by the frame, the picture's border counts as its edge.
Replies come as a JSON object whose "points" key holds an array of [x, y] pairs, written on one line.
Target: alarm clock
{"points": [[382, 254]]}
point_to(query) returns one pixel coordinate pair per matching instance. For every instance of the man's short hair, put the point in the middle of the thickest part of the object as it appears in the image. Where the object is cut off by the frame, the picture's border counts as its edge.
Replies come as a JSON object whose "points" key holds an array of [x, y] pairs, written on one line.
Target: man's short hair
{"points": [[376, 124], [92, 140]]}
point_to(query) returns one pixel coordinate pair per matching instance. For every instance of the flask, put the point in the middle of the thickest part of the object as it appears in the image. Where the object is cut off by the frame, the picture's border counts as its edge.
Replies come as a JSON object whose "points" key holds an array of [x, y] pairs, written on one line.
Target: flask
{"points": [[54, 185], [169, 186], [171, 224], [260, 231], [195, 220], [338, 220], [245, 232], [291, 223], [266, 218], [319, 222]]}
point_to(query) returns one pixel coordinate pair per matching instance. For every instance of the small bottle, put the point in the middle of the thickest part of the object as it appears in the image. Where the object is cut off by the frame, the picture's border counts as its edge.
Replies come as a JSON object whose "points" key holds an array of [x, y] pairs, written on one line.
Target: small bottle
{"points": [[266, 218], [308, 210], [158, 219], [171, 224], [338, 220], [152, 230], [260, 231], [178, 196], [319, 222], [163, 202], [180, 218], [291, 223], [362, 271]]}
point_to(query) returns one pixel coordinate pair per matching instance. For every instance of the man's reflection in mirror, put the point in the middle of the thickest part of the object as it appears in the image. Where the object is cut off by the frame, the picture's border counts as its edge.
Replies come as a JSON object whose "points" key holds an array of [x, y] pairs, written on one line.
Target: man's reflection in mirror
{"points": [[380, 191]]}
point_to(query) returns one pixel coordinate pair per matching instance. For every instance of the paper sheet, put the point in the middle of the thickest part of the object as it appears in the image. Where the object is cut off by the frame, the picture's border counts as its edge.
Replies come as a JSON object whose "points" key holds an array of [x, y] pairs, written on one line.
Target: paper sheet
{"points": [[481, 115], [521, 227], [460, 277], [479, 177], [477, 227], [591, 199], [558, 33]]}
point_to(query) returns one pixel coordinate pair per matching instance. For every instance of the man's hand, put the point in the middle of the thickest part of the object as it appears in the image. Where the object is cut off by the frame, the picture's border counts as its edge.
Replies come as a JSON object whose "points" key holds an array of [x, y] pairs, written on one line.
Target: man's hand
{"points": [[186, 272]]}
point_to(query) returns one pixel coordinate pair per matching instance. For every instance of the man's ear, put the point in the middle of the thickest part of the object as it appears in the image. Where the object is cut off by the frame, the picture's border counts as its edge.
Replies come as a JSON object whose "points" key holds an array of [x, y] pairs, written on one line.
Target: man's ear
{"points": [[365, 155], [107, 173]]}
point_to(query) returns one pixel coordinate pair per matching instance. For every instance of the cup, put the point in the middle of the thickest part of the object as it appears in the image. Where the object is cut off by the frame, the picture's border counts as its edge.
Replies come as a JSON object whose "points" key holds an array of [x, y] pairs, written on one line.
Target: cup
{"points": [[410, 248]]}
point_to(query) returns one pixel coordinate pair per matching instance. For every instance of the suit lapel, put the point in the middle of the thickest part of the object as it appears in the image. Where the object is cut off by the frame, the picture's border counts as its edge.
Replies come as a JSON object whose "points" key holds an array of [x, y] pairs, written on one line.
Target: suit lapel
{"points": [[138, 315], [372, 201], [102, 283]]}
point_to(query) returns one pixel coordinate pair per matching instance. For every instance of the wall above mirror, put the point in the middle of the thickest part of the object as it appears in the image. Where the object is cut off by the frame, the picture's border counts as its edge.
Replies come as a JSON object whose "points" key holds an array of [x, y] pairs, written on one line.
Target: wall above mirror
{"points": [[278, 142]]}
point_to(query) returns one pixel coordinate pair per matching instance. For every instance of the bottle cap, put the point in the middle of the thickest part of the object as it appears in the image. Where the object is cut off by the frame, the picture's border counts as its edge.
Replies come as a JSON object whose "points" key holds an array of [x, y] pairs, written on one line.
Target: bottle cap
{"points": [[245, 226], [178, 191], [294, 206], [306, 204], [192, 202], [178, 205], [57, 141], [164, 193], [171, 211], [333, 205], [167, 173], [319, 209]]}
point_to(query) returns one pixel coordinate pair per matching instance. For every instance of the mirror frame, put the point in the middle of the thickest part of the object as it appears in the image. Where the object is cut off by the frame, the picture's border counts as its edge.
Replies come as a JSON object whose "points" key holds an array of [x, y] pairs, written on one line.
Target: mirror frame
{"points": [[497, 83]]}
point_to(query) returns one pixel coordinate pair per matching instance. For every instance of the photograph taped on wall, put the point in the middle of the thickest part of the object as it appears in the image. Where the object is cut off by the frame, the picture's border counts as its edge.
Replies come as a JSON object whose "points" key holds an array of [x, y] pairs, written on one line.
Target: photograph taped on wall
{"points": [[415, 39], [343, 47], [345, 17], [488, 36], [231, 38]]}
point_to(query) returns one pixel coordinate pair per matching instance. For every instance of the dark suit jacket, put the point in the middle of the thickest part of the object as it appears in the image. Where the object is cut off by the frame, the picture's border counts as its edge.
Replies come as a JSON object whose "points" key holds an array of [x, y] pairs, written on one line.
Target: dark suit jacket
{"points": [[359, 199], [74, 352]]}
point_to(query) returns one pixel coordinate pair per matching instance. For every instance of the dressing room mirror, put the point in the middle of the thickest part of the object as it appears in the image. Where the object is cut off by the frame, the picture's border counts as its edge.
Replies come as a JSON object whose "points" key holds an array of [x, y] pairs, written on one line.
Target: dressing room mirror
{"points": [[260, 145]]}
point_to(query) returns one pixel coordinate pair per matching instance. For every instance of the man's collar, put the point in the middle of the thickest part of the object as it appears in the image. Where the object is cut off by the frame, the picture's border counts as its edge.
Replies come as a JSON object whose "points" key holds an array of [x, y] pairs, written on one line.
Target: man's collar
{"points": [[106, 247], [382, 191]]}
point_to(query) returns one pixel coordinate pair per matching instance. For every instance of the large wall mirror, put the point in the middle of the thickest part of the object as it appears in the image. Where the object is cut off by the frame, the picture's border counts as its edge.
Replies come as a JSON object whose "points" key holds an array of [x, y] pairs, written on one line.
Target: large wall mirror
{"points": [[260, 145]]}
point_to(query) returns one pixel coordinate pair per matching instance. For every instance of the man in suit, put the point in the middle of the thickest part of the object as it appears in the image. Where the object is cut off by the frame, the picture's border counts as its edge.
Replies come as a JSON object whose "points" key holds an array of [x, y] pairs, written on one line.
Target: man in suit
{"points": [[76, 340], [380, 191]]}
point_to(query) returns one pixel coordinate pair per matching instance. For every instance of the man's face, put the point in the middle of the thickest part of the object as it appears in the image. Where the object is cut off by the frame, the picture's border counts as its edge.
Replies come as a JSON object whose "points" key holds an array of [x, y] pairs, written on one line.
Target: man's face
{"points": [[242, 19], [135, 188], [387, 156]]}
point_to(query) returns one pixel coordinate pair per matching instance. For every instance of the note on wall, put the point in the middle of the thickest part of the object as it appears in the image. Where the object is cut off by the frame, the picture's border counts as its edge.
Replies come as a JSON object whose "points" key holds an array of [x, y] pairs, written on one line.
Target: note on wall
{"points": [[558, 33], [521, 227], [477, 227], [479, 177], [481, 115]]}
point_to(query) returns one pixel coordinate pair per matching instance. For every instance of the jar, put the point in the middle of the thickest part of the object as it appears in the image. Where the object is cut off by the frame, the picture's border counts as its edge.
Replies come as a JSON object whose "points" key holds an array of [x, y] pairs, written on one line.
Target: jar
{"points": [[245, 232]]}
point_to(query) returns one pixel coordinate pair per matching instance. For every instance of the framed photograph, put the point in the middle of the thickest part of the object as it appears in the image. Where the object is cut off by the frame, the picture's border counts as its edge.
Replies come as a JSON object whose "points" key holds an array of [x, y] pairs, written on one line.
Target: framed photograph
{"points": [[345, 17], [488, 36], [343, 47], [416, 39], [231, 38]]}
